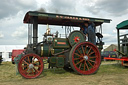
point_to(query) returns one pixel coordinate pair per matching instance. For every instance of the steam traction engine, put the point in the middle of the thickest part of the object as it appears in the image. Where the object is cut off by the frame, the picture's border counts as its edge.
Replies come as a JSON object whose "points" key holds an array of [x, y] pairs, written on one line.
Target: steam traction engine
{"points": [[72, 52]]}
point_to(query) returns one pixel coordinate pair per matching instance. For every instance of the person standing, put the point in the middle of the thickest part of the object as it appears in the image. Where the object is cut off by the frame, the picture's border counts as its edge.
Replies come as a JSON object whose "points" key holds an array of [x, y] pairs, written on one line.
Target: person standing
{"points": [[89, 30], [84, 27], [91, 33]]}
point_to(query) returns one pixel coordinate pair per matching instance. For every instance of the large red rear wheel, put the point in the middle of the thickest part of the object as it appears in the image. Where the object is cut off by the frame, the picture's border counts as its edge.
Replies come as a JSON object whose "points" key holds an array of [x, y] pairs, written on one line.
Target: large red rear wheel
{"points": [[30, 66], [85, 58]]}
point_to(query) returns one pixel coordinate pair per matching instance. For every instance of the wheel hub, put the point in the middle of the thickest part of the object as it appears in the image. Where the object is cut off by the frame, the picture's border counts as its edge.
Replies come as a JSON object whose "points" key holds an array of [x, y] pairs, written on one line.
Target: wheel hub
{"points": [[86, 57], [31, 66], [77, 39]]}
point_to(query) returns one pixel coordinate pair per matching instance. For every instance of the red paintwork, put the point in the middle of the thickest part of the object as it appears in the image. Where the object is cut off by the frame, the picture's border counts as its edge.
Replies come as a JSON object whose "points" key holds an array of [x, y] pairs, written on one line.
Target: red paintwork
{"points": [[76, 39], [97, 60], [120, 59], [16, 53], [62, 43], [115, 50], [30, 72]]}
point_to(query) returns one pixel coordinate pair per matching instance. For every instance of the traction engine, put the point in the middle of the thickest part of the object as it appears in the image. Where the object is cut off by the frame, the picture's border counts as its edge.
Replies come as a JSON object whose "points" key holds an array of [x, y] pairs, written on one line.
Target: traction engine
{"points": [[71, 53]]}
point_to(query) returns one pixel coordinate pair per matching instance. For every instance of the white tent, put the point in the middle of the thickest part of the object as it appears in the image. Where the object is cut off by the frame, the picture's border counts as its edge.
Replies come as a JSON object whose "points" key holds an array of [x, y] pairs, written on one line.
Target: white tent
{"points": [[6, 50]]}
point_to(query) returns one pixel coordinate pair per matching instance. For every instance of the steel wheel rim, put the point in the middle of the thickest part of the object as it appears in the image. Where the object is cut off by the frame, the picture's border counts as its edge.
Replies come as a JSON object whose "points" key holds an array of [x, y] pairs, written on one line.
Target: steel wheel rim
{"points": [[85, 58], [30, 68]]}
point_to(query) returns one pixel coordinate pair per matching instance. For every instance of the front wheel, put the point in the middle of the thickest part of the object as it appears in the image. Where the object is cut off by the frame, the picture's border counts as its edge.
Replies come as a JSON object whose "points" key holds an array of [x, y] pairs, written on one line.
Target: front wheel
{"points": [[30, 66], [85, 58]]}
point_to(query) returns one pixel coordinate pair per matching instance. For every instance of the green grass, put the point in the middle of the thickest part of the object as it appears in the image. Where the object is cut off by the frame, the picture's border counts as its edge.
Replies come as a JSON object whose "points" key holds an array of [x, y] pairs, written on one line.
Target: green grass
{"points": [[109, 73], [115, 68]]}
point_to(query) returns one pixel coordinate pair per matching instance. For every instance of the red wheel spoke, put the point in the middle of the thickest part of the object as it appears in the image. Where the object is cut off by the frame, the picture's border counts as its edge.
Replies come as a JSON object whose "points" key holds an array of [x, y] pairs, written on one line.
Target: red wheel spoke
{"points": [[36, 62], [90, 63], [79, 51], [32, 71], [79, 61], [86, 65], [33, 59], [89, 50], [35, 69], [91, 53], [25, 62], [28, 59], [77, 54], [76, 58], [85, 48], [80, 66], [26, 69], [29, 71], [24, 66], [82, 49]]}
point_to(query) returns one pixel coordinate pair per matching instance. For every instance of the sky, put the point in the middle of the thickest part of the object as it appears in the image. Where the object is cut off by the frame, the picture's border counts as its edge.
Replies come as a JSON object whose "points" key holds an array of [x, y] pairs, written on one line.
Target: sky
{"points": [[14, 32]]}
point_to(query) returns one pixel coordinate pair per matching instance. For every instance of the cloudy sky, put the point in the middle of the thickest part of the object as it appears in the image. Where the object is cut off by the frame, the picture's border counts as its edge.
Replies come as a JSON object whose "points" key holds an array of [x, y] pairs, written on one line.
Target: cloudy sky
{"points": [[14, 32]]}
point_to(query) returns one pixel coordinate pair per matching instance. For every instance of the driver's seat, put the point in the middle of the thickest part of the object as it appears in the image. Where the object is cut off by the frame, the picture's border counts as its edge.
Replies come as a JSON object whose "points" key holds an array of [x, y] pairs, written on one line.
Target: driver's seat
{"points": [[99, 35]]}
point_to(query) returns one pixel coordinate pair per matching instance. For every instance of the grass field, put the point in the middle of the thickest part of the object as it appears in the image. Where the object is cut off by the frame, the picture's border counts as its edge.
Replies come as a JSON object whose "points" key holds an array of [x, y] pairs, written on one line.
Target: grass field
{"points": [[110, 73]]}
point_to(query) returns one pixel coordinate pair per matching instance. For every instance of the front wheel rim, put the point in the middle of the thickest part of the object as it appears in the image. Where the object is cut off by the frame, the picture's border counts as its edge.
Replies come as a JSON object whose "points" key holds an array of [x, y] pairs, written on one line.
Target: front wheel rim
{"points": [[30, 66]]}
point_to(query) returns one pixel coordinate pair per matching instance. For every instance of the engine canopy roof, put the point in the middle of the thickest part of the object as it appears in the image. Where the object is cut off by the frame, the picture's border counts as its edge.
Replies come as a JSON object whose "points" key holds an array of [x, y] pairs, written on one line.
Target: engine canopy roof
{"points": [[123, 25], [61, 19]]}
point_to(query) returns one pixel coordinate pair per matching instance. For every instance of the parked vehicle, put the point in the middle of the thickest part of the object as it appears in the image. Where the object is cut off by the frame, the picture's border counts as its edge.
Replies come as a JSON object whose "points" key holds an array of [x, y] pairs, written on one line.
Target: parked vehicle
{"points": [[110, 54], [16, 53]]}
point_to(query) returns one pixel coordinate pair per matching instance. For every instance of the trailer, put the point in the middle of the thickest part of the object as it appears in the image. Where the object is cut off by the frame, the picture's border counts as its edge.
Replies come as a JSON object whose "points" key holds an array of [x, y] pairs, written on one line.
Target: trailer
{"points": [[73, 52], [15, 53], [122, 44]]}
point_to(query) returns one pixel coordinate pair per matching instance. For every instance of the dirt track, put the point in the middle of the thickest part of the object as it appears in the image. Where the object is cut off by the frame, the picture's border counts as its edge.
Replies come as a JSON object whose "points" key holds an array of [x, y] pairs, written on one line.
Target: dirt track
{"points": [[107, 75], [73, 80]]}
